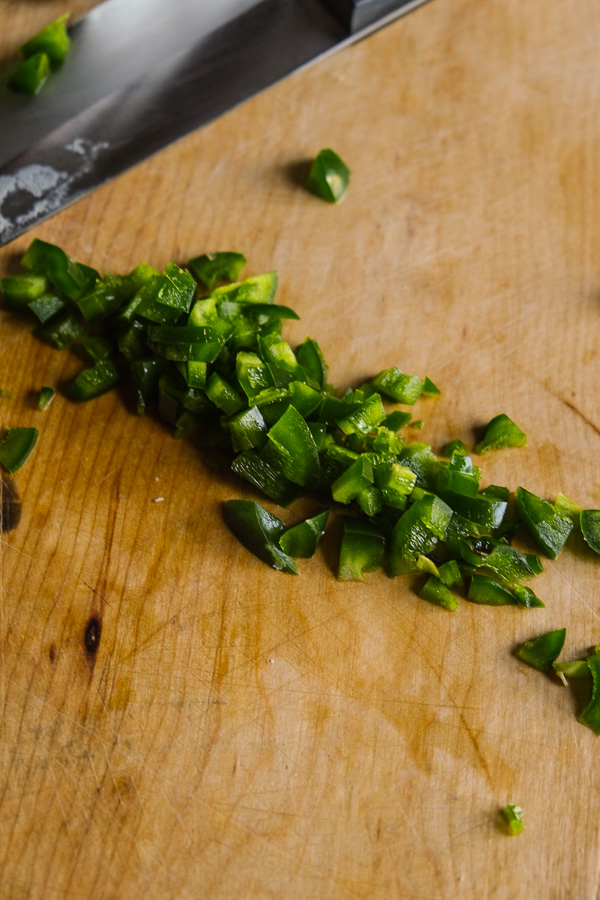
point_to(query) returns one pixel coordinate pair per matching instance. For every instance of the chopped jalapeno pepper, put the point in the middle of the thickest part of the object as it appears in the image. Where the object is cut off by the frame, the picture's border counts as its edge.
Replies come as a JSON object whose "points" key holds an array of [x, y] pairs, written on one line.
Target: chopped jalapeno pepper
{"points": [[46, 397], [53, 40], [514, 818], [329, 176], [542, 651], [221, 266], [501, 432], [31, 75], [259, 531], [436, 592], [590, 528], [362, 549], [301, 540], [16, 447], [548, 528], [591, 714]]}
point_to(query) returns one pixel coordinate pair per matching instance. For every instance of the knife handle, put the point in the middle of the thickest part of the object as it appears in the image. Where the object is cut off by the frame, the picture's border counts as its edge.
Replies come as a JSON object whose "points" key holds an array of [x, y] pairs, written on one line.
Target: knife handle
{"points": [[356, 15]]}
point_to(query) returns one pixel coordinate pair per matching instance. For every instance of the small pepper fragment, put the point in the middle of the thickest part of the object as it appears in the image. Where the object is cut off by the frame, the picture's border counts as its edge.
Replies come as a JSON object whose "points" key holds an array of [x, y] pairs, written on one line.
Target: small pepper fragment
{"points": [[17, 447], [31, 75], [259, 531], [220, 266], [548, 528], [53, 40], [362, 549], [589, 521], [20, 290], [46, 397], [487, 592], [501, 432], [329, 176], [435, 591], [514, 818], [301, 540], [100, 378], [542, 651], [591, 714]]}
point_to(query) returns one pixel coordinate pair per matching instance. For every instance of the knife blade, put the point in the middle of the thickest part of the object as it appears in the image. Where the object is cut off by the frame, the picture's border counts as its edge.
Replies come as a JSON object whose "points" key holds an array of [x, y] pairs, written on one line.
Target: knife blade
{"points": [[143, 73]]}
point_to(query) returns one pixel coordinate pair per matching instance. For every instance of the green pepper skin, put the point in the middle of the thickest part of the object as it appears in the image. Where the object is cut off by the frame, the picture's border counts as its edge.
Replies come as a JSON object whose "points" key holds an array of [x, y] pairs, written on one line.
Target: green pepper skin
{"points": [[501, 432], [362, 549], [487, 592], [97, 380], [589, 520], [591, 714], [547, 527], [541, 652], [221, 266], [53, 40], [31, 75], [513, 816], [46, 397], [302, 540], [17, 446], [329, 176], [436, 592], [259, 531]]}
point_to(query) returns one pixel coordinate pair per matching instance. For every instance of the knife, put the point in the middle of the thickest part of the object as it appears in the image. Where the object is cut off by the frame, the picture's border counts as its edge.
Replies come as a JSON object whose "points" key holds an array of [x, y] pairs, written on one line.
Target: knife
{"points": [[141, 74]]}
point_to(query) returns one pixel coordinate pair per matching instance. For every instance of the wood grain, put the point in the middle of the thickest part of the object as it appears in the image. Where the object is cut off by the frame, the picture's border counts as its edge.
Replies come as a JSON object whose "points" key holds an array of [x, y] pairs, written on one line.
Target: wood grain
{"points": [[232, 732]]}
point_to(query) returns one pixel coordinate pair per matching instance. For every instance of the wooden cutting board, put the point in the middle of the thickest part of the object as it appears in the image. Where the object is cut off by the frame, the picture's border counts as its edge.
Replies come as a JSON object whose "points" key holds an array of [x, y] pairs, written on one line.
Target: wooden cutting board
{"points": [[226, 731]]}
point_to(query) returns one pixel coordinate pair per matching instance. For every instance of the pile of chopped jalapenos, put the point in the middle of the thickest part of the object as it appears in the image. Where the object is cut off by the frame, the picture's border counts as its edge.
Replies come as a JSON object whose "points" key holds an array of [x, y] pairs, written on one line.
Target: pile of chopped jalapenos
{"points": [[205, 349]]}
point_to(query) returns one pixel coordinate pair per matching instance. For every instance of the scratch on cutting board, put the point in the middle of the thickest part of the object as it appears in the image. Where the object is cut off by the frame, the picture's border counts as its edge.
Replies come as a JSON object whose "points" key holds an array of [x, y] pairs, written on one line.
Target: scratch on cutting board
{"points": [[47, 186]]}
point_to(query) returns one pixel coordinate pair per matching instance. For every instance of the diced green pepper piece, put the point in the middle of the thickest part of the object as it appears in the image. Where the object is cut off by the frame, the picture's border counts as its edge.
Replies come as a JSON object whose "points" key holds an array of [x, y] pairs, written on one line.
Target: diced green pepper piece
{"points": [[485, 512], [304, 398], [47, 305], [257, 289], [223, 395], [31, 75], [547, 527], [145, 376], [356, 478], [221, 266], [17, 447], [450, 574], [69, 278], [20, 290], [577, 668], [310, 357], [455, 446], [47, 395], [248, 429], [364, 417], [461, 476], [105, 298], [361, 550], [396, 482], [435, 591], [591, 714], [291, 440], [487, 592], [259, 531], [397, 420], [252, 374], [266, 475], [61, 331], [501, 432], [53, 40], [329, 176], [416, 533], [301, 540], [514, 819], [589, 521], [567, 507], [97, 380], [542, 651], [430, 389], [195, 373], [179, 343], [397, 386], [526, 597], [164, 298]]}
